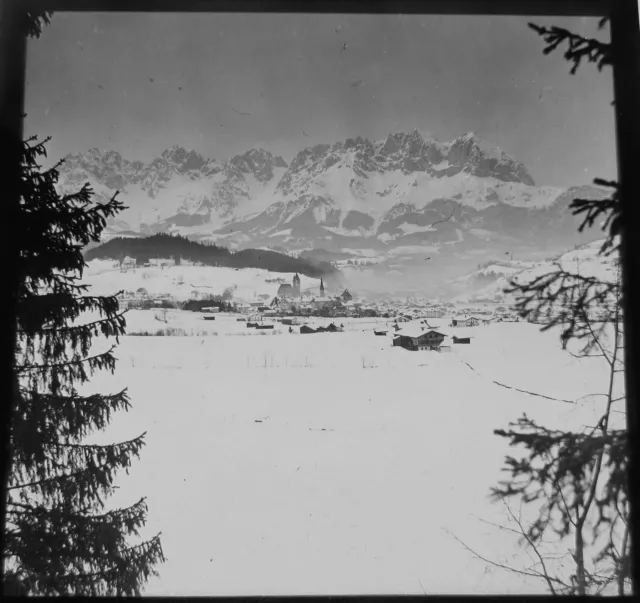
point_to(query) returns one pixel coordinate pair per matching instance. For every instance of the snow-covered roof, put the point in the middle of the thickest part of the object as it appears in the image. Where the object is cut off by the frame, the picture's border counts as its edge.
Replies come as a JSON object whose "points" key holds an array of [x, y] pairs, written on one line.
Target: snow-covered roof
{"points": [[435, 323], [411, 331], [439, 332], [460, 333]]}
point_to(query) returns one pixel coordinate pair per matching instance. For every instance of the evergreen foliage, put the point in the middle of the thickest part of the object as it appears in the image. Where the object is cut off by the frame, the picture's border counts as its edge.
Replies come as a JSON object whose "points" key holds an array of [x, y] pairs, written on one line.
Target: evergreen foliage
{"points": [[59, 538], [33, 21], [577, 479], [196, 305]]}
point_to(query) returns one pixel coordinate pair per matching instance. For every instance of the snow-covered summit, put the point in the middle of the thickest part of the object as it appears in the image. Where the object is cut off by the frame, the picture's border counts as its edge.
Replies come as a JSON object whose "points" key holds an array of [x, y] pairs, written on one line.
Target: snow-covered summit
{"points": [[353, 193]]}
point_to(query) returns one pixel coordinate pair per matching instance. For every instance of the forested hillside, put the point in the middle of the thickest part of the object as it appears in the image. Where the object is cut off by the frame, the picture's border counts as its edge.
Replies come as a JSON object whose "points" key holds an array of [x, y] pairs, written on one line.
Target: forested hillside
{"points": [[181, 248]]}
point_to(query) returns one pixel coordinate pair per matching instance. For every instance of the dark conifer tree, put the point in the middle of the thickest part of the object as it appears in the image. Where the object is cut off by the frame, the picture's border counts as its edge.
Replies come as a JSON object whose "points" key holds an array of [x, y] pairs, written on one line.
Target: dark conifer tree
{"points": [[59, 536], [577, 479]]}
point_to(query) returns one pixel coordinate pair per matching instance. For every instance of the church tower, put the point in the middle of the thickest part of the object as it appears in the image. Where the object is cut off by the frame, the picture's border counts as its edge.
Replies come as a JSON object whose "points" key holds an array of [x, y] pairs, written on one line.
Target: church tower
{"points": [[296, 285], [321, 288]]}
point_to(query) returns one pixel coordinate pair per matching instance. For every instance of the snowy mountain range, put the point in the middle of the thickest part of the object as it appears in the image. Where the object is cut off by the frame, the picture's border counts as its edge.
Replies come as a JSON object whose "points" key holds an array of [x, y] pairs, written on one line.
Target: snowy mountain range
{"points": [[402, 192]]}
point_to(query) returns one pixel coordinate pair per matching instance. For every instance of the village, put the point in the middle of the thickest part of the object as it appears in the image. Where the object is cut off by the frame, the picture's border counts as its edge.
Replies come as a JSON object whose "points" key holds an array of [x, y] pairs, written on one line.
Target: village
{"points": [[415, 324]]}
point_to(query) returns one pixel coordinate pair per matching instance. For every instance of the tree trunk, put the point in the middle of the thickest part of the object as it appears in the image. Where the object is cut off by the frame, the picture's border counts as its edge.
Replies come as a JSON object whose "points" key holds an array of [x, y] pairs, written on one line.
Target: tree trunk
{"points": [[579, 559]]}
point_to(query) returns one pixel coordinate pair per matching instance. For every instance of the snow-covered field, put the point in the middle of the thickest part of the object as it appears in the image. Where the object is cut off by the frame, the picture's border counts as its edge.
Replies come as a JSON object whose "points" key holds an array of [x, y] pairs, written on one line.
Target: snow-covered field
{"points": [[332, 463]]}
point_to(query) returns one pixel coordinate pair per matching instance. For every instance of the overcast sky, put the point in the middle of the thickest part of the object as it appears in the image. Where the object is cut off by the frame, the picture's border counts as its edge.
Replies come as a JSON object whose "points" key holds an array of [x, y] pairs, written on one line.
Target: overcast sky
{"points": [[309, 79]]}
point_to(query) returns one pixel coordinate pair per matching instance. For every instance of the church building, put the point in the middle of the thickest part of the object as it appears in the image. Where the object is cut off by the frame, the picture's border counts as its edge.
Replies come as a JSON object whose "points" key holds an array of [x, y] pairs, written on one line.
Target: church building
{"points": [[286, 290]]}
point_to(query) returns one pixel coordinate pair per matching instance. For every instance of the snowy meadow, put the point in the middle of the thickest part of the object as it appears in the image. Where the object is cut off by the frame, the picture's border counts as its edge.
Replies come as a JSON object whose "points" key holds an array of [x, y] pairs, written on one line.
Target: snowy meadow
{"points": [[333, 463]]}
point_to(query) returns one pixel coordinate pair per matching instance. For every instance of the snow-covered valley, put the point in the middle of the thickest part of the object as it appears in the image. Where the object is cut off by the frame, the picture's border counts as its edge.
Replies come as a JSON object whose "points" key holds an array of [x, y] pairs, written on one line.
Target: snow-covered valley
{"points": [[334, 463]]}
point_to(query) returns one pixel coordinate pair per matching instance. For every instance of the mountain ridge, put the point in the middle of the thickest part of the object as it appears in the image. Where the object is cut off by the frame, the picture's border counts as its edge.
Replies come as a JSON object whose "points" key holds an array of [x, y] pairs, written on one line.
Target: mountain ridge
{"points": [[403, 190]]}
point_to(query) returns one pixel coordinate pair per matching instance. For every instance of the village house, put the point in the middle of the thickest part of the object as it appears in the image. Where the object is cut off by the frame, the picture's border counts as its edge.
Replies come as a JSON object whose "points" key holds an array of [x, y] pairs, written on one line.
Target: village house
{"points": [[128, 263], [414, 338], [469, 321], [320, 303], [290, 321], [346, 296], [211, 309], [162, 262]]}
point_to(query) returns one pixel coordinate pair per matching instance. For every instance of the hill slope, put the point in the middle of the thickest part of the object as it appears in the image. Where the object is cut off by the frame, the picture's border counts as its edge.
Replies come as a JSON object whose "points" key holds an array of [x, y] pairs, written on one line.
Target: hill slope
{"points": [[490, 280], [166, 246]]}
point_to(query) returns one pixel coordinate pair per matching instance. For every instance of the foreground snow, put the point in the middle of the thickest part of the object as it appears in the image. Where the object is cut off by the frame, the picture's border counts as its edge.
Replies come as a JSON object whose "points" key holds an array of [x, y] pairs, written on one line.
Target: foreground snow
{"points": [[332, 463]]}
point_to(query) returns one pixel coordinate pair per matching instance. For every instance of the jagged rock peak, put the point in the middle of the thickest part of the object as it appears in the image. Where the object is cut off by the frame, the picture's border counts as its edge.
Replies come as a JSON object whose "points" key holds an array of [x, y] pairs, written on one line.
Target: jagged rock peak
{"points": [[258, 162], [186, 159], [483, 159]]}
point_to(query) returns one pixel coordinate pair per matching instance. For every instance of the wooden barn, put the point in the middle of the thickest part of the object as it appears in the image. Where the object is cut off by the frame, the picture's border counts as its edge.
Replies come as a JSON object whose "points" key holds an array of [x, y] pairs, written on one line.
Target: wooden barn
{"points": [[293, 320]]}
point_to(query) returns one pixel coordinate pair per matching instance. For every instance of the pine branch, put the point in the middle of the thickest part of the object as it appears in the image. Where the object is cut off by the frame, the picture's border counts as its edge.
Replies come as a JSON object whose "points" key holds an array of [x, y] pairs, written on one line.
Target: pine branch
{"points": [[60, 308], [40, 419], [88, 456], [43, 367], [575, 475], [579, 48], [76, 328]]}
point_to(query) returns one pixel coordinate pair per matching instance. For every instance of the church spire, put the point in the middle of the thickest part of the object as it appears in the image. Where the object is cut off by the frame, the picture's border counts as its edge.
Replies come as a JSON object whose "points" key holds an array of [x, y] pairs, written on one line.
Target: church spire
{"points": [[321, 288]]}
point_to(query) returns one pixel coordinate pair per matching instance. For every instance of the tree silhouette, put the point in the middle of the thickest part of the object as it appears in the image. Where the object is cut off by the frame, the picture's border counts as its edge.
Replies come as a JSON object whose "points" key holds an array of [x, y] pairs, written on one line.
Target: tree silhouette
{"points": [[578, 480], [575, 482], [59, 537]]}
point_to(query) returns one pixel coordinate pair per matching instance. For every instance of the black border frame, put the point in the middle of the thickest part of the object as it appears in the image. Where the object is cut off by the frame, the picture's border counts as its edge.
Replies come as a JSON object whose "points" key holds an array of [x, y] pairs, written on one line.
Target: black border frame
{"points": [[625, 38]]}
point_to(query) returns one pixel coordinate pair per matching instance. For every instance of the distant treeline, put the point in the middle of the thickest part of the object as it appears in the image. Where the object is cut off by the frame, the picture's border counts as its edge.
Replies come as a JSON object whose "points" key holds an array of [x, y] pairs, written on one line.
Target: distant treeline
{"points": [[192, 305], [180, 248], [196, 305]]}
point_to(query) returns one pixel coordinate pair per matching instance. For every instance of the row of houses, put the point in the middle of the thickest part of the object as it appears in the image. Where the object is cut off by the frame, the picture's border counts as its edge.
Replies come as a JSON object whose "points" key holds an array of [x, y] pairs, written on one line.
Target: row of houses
{"points": [[321, 306], [141, 298], [129, 263]]}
